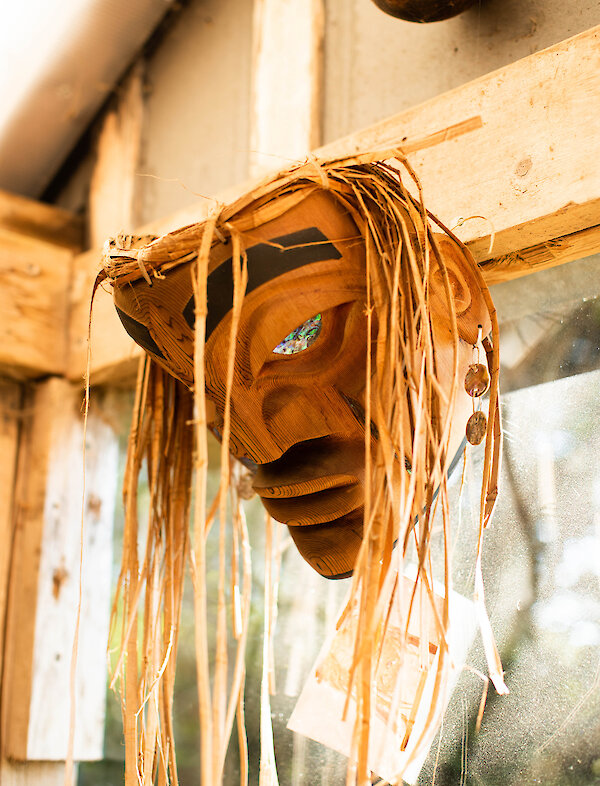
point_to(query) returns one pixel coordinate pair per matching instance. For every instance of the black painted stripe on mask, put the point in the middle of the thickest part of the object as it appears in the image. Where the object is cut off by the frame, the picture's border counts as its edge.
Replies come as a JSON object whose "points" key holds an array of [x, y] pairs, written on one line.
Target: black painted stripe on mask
{"points": [[265, 262], [139, 333]]}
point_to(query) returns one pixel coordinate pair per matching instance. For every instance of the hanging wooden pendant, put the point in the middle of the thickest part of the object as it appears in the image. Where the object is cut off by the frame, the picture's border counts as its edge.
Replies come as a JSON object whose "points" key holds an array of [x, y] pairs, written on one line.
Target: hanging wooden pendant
{"points": [[476, 428], [477, 380], [423, 10]]}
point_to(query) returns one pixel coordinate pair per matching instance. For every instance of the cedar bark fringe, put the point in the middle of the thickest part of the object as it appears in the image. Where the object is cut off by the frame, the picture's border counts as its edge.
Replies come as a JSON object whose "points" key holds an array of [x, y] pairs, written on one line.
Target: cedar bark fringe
{"points": [[401, 375]]}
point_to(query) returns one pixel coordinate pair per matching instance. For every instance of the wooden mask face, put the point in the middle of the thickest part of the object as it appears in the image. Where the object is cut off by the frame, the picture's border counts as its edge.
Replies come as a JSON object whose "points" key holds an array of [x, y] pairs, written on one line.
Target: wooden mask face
{"points": [[299, 379]]}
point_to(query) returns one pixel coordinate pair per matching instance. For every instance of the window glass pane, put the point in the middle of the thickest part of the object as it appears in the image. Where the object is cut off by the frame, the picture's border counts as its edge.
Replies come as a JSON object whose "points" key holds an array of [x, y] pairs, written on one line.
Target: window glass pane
{"points": [[542, 552]]}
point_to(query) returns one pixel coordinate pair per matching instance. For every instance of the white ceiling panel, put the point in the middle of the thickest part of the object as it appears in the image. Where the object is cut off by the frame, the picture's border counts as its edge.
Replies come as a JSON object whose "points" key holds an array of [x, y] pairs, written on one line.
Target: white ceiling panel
{"points": [[59, 59]]}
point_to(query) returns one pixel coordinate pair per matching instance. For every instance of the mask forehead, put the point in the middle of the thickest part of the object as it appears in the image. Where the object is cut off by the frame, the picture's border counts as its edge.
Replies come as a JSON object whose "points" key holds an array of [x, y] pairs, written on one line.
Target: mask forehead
{"points": [[160, 315]]}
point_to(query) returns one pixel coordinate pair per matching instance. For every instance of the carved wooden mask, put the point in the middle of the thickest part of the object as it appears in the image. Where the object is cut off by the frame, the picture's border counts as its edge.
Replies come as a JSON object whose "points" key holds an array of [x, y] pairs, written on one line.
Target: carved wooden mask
{"points": [[298, 393]]}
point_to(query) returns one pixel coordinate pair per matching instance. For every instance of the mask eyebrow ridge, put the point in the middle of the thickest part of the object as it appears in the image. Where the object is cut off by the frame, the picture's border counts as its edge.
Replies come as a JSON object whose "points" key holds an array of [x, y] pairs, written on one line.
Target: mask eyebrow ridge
{"points": [[266, 260]]}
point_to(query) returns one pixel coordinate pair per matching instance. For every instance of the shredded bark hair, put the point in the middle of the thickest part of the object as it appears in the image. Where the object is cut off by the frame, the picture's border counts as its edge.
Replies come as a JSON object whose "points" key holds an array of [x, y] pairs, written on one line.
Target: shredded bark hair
{"points": [[168, 441]]}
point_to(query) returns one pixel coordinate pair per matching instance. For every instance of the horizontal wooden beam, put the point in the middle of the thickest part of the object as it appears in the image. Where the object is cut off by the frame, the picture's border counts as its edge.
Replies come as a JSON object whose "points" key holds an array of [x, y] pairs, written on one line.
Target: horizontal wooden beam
{"points": [[37, 245], [34, 303], [541, 256], [40, 221], [510, 161]]}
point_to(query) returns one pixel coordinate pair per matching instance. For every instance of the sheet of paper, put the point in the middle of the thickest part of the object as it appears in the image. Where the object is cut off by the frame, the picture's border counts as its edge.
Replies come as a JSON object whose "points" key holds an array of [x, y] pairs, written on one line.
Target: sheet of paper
{"points": [[405, 683]]}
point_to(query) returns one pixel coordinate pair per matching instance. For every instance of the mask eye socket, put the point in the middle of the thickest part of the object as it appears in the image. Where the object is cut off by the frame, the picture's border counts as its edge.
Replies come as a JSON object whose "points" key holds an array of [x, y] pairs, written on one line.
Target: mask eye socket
{"points": [[300, 338]]}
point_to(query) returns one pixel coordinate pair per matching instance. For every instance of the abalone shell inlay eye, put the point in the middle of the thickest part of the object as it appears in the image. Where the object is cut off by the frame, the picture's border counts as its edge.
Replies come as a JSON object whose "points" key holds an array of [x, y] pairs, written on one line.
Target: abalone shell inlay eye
{"points": [[300, 338]]}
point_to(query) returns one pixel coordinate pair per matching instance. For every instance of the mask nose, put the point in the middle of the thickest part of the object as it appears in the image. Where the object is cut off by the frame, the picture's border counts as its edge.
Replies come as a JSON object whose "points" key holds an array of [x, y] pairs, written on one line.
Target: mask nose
{"points": [[267, 425], [294, 415]]}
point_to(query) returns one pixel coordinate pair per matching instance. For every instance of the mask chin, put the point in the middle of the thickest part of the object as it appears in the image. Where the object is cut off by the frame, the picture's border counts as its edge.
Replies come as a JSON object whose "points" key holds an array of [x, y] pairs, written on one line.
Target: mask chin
{"points": [[332, 548]]}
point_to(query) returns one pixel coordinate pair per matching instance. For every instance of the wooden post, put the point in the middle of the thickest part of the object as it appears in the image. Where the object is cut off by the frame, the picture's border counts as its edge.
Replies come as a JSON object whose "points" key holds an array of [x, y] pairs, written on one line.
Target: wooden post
{"points": [[37, 243], [287, 82], [43, 588], [11, 418], [113, 209], [113, 188]]}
